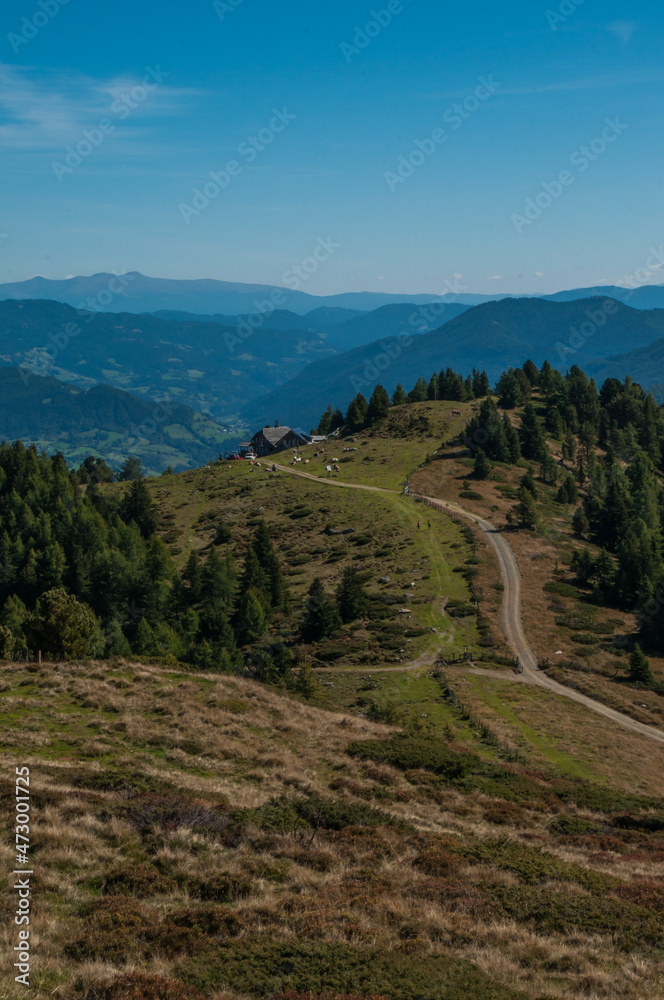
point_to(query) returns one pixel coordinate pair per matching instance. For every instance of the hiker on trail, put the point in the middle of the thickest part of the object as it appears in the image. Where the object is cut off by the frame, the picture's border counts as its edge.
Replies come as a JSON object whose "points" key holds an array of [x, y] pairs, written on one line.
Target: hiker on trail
{"points": [[418, 525], [429, 523]]}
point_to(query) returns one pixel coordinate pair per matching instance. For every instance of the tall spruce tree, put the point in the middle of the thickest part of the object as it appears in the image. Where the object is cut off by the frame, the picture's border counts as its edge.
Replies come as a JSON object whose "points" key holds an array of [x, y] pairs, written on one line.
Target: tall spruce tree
{"points": [[351, 596], [379, 405], [321, 617]]}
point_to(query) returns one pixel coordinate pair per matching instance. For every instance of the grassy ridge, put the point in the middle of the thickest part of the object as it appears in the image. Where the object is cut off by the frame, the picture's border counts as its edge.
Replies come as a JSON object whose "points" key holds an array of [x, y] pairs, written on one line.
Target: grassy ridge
{"points": [[419, 568]]}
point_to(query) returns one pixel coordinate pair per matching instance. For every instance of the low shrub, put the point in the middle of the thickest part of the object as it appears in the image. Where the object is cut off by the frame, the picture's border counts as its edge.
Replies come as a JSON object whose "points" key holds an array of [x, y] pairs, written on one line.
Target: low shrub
{"points": [[138, 880], [222, 887], [145, 812], [574, 826], [215, 921], [652, 823], [575, 619], [460, 609], [437, 863], [413, 752], [285, 814], [292, 995], [505, 814], [598, 798], [632, 927], [263, 968], [137, 986], [121, 930], [643, 892], [561, 588], [127, 781], [533, 865]]}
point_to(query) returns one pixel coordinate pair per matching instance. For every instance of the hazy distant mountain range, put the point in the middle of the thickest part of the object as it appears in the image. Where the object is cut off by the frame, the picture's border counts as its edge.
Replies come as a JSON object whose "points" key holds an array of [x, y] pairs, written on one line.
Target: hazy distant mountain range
{"points": [[135, 292]]}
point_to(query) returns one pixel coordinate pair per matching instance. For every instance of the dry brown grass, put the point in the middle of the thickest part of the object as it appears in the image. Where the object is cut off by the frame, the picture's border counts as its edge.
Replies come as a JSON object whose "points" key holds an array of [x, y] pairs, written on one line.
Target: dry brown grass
{"points": [[226, 743]]}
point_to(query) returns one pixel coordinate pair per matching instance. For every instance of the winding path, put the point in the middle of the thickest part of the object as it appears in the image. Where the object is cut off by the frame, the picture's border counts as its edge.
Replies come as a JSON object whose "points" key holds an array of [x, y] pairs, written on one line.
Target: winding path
{"points": [[510, 614]]}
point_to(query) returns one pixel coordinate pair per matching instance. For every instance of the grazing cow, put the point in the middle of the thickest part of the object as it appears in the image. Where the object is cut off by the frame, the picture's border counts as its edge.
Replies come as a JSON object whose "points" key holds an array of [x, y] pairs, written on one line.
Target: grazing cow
{"points": [[456, 413]]}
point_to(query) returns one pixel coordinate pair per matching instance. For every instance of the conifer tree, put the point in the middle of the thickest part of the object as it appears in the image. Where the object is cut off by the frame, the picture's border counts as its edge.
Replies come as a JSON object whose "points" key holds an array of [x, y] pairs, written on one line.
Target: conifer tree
{"points": [[250, 618], [131, 469], [337, 420], [321, 617], [580, 523], [419, 392], [533, 445], [639, 668], [527, 482], [482, 466], [325, 422], [356, 415], [137, 506], [509, 390], [351, 597], [481, 384], [525, 511], [379, 405], [399, 396], [269, 563]]}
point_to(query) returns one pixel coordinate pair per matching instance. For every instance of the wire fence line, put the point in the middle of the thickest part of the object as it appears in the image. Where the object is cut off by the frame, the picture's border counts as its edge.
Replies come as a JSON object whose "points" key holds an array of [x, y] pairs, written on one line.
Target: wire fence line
{"points": [[486, 733]]}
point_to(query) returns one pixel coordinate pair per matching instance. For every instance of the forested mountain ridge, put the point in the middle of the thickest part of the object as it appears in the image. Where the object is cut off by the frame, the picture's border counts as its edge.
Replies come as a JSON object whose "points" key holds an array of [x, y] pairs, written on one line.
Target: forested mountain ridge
{"points": [[492, 336]]}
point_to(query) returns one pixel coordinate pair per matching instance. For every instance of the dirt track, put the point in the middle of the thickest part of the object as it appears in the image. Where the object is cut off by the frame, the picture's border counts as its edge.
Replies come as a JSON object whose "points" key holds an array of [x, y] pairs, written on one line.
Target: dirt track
{"points": [[510, 617], [511, 610]]}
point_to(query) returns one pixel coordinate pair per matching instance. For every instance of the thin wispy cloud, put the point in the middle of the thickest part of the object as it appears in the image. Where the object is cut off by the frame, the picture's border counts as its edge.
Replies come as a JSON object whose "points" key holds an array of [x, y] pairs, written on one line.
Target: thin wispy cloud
{"points": [[44, 111], [621, 79], [622, 30]]}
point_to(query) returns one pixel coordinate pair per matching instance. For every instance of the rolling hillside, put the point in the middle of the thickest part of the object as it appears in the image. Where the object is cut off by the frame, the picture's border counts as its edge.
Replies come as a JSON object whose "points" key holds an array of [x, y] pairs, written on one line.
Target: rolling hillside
{"points": [[105, 422], [203, 365], [644, 365], [209, 366], [643, 297], [353, 831], [344, 329]]}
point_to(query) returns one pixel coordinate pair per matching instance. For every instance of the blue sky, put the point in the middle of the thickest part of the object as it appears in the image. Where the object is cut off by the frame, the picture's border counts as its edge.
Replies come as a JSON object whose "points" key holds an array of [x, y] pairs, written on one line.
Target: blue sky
{"points": [[339, 114]]}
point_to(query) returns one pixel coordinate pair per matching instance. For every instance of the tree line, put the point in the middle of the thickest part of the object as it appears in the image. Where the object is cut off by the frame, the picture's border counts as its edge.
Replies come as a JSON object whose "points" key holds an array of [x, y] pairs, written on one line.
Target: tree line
{"points": [[361, 413]]}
